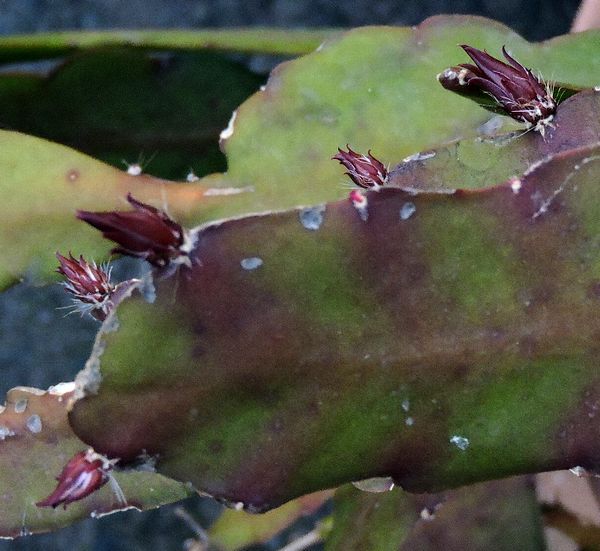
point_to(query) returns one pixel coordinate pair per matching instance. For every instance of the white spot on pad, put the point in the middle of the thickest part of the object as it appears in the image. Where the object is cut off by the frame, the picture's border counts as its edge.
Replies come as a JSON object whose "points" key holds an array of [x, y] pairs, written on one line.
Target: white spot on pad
{"points": [[419, 157], [579, 472], [312, 218], [191, 177], [360, 203], [251, 263], [34, 423], [21, 405], [375, 485], [5, 432], [460, 442], [62, 388], [407, 210], [515, 185], [228, 132], [409, 421], [134, 169], [215, 191], [426, 514]]}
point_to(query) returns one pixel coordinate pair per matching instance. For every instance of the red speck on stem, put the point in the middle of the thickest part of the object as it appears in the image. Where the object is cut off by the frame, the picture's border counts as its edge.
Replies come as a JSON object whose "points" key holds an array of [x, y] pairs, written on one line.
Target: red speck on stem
{"points": [[359, 202], [357, 198]]}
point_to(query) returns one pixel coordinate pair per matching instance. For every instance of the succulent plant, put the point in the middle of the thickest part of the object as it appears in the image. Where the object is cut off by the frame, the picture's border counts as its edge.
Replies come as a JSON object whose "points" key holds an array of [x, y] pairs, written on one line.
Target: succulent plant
{"points": [[428, 323]]}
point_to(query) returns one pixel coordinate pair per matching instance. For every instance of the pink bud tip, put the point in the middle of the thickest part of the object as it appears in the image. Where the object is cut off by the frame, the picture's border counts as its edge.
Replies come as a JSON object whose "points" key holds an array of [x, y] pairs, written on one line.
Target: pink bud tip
{"points": [[85, 473], [357, 198]]}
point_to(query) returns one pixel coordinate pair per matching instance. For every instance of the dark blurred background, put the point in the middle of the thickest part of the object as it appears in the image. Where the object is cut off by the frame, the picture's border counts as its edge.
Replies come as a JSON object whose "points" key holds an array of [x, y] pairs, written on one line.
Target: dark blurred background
{"points": [[27, 311], [534, 19]]}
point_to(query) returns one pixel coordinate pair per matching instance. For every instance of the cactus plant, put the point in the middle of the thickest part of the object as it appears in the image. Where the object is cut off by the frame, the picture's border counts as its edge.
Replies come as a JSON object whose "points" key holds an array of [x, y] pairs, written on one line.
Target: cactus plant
{"points": [[126, 115], [37, 442], [437, 328]]}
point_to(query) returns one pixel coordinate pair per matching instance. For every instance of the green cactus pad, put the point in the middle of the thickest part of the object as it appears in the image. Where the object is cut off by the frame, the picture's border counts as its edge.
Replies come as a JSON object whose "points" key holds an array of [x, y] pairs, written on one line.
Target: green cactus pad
{"points": [[448, 338], [253, 41], [42, 186], [371, 87], [238, 529], [289, 350], [36, 442], [123, 105], [502, 515], [475, 163]]}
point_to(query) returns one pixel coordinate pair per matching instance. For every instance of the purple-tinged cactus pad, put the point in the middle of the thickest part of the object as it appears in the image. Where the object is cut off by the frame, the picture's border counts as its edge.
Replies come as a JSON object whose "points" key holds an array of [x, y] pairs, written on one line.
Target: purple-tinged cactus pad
{"points": [[454, 345], [373, 88], [501, 514], [36, 442], [492, 157]]}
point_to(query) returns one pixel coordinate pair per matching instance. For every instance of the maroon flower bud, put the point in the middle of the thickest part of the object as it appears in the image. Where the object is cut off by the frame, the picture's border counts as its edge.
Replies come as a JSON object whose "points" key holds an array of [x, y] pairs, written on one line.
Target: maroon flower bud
{"points": [[513, 88], [145, 232], [85, 472], [365, 170], [89, 284]]}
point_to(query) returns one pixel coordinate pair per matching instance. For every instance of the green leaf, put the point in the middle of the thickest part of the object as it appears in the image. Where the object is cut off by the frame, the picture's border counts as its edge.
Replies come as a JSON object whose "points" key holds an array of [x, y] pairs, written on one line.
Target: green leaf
{"points": [[119, 104], [479, 162], [451, 346], [236, 529], [371, 87], [502, 515], [255, 40], [43, 184], [36, 442]]}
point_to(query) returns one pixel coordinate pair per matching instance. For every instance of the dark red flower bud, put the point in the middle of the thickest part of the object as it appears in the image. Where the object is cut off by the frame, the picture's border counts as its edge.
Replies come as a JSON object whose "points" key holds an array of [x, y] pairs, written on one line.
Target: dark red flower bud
{"points": [[89, 284], [365, 170], [145, 232], [85, 472], [512, 87]]}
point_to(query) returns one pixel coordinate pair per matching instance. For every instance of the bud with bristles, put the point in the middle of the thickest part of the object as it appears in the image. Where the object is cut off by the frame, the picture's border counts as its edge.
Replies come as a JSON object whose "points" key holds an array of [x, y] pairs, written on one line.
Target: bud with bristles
{"points": [[365, 170], [145, 232], [515, 90], [89, 284]]}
